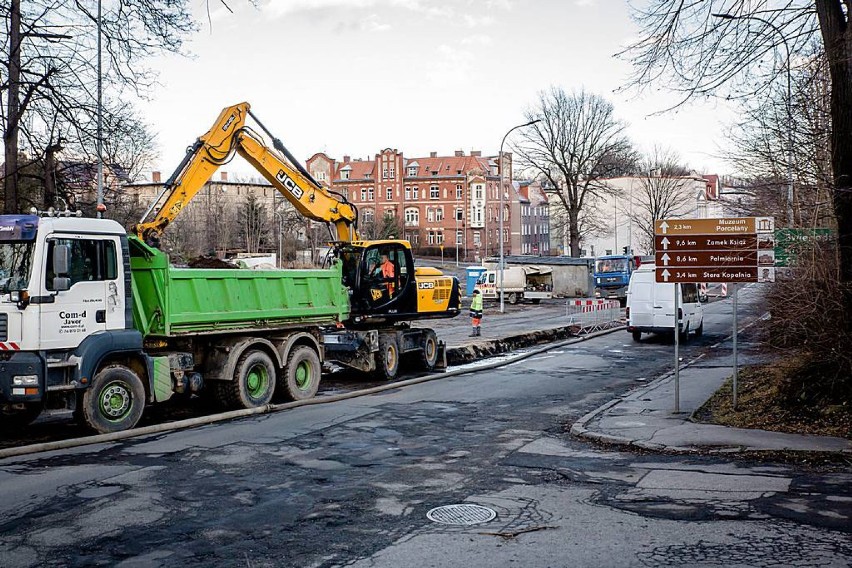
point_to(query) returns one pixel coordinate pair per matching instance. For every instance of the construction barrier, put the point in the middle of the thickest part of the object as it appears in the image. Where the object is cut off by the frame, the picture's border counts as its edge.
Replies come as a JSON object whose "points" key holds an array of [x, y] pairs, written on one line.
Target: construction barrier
{"points": [[593, 315]]}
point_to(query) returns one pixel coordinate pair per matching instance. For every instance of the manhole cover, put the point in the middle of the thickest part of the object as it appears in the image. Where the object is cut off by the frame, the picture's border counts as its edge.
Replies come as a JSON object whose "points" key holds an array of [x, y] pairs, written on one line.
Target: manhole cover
{"points": [[461, 514]]}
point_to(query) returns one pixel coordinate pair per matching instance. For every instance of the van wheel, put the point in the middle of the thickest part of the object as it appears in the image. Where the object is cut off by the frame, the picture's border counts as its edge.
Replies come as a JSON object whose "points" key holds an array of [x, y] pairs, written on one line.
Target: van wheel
{"points": [[637, 336], [302, 375], [254, 381], [513, 298], [684, 337], [113, 402], [699, 331], [622, 302], [536, 300], [387, 358]]}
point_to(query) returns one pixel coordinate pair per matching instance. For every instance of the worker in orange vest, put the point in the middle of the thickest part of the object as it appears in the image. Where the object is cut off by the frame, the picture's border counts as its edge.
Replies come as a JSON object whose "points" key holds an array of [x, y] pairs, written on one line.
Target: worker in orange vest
{"points": [[388, 273]]}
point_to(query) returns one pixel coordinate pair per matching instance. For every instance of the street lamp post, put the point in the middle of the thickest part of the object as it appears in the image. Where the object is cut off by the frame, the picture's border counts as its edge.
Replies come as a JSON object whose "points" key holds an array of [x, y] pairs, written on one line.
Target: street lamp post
{"points": [[789, 109], [500, 213], [100, 122]]}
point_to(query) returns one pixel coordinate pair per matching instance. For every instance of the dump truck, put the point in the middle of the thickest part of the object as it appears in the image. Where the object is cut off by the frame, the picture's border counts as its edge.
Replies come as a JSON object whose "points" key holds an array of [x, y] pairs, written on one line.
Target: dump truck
{"points": [[526, 282], [98, 321]]}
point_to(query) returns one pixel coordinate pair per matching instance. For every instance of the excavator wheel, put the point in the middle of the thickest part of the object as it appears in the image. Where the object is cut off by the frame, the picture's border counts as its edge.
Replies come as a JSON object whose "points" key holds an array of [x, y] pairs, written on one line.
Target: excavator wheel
{"points": [[387, 357], [429, 352]]}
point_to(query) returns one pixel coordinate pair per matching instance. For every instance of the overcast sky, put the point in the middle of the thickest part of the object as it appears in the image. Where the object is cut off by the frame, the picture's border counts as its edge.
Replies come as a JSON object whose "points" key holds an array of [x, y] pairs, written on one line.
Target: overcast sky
{"points": [[356, 76]]}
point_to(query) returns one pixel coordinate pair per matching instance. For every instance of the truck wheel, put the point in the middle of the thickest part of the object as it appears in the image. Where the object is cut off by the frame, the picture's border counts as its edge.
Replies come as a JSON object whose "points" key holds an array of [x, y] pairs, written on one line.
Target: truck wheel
{"points": [[536, 300], [387, 358], [254, 381], [429, 352], [301, 376], [622, 302], [114, 401], [513, 298], [18, 418], [637, 336]]}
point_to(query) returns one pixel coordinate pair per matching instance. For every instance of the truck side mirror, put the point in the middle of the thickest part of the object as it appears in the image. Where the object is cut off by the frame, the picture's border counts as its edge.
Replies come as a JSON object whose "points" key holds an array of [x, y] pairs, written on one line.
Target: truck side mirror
{"points": [[61, 260], [61, 283]]}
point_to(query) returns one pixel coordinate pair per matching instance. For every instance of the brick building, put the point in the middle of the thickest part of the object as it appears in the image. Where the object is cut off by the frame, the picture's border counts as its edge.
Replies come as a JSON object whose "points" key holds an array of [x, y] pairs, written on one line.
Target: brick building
{"points": [[530, 216], [439, 200]]}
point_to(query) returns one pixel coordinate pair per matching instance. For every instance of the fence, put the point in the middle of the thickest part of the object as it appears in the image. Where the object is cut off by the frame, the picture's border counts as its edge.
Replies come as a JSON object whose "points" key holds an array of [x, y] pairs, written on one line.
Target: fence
{"points": [[593, 315]]}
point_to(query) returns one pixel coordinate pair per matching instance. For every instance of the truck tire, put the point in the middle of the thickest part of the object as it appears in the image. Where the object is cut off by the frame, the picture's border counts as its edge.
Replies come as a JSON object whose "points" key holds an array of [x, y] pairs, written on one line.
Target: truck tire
{"points": [[637, 336], [253, 384], [113, 402], [387, 358], [536, 300], [429, 352], [513, 298], [301, 377]]}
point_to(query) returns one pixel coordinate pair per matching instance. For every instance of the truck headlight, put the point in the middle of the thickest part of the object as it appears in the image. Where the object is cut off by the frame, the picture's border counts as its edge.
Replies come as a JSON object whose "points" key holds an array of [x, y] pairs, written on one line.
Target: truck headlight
{"points": [[25, 381]]}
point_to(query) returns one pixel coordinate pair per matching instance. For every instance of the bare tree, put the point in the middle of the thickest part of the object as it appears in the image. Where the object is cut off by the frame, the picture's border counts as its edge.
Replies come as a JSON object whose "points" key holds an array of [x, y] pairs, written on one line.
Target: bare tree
{"points": [[577, 142], [665, 190], [51, 54], [729, 47]]}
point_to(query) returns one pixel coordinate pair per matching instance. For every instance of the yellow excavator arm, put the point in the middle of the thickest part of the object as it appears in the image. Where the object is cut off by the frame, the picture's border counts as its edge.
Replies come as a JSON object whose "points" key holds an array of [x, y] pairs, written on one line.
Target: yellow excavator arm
{"points": [[229, 135]]}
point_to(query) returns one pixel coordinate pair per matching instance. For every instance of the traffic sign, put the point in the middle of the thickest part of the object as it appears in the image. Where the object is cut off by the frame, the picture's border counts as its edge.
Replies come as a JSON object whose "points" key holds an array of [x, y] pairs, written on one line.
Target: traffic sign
{"points": [[736, 249], [724, 226], [702, 242], [726, 259]]}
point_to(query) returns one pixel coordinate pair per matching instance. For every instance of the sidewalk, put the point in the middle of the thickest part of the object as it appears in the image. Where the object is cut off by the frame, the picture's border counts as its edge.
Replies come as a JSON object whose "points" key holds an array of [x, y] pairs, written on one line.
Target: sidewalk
{"points": [[645, 419]]}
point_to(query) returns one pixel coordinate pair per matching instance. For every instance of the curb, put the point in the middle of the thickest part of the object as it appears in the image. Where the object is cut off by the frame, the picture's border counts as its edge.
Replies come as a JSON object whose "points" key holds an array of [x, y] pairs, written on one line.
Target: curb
{"points": [[271, 408]]}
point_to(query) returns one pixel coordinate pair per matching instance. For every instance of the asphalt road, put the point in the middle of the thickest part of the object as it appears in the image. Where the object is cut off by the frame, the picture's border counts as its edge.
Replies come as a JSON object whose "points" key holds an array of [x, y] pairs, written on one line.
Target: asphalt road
{"points": [[350, 483]]}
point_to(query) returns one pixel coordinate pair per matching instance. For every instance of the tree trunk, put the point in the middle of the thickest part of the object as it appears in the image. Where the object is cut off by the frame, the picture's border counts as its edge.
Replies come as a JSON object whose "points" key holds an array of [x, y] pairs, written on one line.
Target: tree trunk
{"points": [[837, 37], [574, 232], [10, 138]]}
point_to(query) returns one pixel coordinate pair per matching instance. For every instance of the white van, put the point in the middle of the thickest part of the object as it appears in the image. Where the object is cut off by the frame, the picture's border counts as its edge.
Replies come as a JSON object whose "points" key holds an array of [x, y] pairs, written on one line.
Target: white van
{"points": [[650, 306]]}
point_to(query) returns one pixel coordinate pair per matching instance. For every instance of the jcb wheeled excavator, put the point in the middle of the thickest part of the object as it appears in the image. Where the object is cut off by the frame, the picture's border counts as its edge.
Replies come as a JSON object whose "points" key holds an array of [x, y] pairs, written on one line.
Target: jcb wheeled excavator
{"points": [[388, 298]]}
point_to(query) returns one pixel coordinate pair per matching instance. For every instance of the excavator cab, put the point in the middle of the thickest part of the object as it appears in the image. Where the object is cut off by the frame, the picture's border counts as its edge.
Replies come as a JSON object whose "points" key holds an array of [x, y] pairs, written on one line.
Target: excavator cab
{"points": [[380, 275]]}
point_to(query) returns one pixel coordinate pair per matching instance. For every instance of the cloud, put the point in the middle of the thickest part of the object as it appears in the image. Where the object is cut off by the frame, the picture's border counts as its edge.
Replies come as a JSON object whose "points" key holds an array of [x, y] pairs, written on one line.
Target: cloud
{"points": [[477, 21], [279, 8], [584, 3], [477, 39], [369, 24]]}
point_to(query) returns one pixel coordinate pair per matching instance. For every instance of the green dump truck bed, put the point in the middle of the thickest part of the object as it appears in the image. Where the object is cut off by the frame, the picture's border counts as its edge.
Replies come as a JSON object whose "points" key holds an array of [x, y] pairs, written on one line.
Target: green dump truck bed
{"points": [[170, 301]]}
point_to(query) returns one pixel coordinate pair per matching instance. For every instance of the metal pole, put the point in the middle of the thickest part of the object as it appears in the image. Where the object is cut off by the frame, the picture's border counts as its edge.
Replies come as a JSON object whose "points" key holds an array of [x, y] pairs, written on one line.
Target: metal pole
{"points": [[100, 121], [457, 237], [500, 237], [735, 346], [677, 350]]}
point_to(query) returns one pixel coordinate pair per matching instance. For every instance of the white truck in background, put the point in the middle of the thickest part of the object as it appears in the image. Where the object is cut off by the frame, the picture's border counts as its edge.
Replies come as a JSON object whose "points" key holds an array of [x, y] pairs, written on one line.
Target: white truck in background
{"points": [[524, 282]]}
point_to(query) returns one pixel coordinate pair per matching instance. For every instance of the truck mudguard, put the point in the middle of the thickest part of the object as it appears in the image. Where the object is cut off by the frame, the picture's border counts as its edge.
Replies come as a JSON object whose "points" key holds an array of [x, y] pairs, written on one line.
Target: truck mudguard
{"points": [[95, 348]]}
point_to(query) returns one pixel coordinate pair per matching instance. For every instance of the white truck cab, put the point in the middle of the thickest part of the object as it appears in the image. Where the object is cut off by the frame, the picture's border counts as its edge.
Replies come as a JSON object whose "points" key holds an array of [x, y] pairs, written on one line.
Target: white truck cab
{"points": [[651, 306], [64, 298]]}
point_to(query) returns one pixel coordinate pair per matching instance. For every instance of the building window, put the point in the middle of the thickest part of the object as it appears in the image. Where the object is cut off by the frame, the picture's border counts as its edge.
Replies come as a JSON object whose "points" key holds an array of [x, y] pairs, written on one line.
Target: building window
{"points": [[478, 191], [371, 196], [369, 216], [506, 213], [459, 214], [321, 176], [459, 237], [363, 194], [431, 237], [440, 237], [412, 216], [439, 214], [479, 215], [459, 194], [408, 193], [389, 194], [477, 240], [385, 173], [430, 215], [506, 240], [415, 192], [391, 173], [412, 171], [344, 174], [434, 193]]}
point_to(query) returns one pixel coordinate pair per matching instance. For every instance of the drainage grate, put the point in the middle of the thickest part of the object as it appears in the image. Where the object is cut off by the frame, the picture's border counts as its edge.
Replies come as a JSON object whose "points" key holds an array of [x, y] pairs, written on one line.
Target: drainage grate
{"points": [[461, 514]]}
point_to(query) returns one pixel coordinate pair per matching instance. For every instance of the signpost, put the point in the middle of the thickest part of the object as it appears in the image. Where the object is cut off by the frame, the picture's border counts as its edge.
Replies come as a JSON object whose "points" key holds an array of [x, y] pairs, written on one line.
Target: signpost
{"points": [[733, 249]]}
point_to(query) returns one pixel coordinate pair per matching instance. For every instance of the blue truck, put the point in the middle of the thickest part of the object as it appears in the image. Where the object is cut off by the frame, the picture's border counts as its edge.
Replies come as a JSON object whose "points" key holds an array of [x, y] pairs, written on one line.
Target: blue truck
{"points": [[612, 275]]}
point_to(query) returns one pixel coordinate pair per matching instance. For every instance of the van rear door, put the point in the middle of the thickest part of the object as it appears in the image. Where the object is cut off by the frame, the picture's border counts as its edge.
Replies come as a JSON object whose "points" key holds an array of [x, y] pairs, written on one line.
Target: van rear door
{"points": [[642, 300], [664, 316]]}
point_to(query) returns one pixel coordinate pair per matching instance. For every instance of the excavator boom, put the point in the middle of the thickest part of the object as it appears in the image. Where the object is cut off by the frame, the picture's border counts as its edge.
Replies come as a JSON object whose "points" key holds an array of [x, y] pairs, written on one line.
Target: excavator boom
{"points": [[229, 135]]}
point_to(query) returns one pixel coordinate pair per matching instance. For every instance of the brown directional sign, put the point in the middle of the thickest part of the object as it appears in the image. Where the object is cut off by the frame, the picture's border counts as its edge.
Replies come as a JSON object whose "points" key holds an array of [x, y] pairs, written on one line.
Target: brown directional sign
{"points": [[663, 243], [716, 275], [725, 259], [736, 249], [730, 226]]}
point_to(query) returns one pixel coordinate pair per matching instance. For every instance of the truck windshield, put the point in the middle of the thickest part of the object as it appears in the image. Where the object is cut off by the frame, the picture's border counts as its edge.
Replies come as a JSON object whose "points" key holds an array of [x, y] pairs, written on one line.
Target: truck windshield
{"points": [[15, 265], [606, 265]]}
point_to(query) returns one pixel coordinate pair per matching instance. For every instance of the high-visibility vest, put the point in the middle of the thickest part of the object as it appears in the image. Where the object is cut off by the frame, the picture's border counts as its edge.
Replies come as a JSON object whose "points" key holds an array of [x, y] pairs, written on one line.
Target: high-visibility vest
{"points": [[388, 273]]}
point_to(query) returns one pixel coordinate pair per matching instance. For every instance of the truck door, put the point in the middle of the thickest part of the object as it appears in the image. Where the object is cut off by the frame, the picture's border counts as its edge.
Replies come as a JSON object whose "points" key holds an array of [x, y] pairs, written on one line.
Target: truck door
{"points": [[80, 311]]}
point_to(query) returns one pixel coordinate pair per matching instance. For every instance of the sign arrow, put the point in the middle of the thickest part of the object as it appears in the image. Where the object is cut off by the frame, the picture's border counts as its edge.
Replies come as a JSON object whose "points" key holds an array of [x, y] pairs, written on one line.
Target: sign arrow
{"points": [[664, 227], [666, 274], [665, 258], [665, 243]]}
